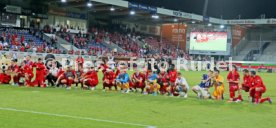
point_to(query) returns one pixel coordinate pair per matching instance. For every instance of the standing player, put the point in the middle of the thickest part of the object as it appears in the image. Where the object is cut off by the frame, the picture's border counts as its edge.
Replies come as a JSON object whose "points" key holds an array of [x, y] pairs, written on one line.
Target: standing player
{"points": [[219, 86], [258, 88], [79, 61], [202, 90], [233, 79], [40, 73]]}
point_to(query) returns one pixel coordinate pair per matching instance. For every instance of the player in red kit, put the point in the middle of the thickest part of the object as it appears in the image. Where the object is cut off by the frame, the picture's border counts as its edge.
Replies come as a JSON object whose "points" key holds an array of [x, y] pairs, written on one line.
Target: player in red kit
{"points": [[109, 79], [14, 68], [138, 80], [90, 78], [103, 66], [172, 75], [118, 70], [246, 84], [29, 62], [27, 72], [233, 78], [67, 77], [246, 81], [40, 73], [258, 88], [60, 77], [80, 61], [163, 81]]}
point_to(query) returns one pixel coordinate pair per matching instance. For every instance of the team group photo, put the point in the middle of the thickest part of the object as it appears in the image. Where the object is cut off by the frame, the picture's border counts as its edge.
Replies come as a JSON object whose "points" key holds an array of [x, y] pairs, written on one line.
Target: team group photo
{"points": [[137, 64]]}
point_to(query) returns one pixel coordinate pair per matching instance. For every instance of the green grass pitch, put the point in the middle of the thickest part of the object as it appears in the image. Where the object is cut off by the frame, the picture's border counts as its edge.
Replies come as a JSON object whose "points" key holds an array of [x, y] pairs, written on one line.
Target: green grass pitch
{"points": [[22, 107]]}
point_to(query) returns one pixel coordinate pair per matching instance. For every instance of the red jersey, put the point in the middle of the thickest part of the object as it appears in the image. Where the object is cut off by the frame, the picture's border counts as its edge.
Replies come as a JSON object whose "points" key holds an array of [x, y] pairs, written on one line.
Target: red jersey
{"points": [[27, 69], [117, 73], [104, 68], [172, 75], [247, 80], [40, 70], [39, 66], [60, 73], [163, 77], [30, 64], [80, 60], [92, 75], [139, 76], [234, 76], [14, 68], [22, 49], [109, 76], [257, 82]]}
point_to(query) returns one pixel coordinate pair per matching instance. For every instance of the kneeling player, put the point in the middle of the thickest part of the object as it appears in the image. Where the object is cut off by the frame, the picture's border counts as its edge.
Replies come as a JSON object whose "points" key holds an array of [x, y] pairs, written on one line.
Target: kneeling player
{"points": [[172, 75], [109, 79], [181, 86], [26, 74], [90, 78], [247, 83], [123, 81], [163, 81], [202, 90], [219, 86], [60, 76], [138, 80], [14, 68], [68, 77], [258, 88], [152, 87], [233, 79]]}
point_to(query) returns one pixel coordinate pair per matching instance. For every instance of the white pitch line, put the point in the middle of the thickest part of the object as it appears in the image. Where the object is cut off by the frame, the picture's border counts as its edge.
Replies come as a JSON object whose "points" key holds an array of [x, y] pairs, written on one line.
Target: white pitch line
{"points": [[76, 117]]}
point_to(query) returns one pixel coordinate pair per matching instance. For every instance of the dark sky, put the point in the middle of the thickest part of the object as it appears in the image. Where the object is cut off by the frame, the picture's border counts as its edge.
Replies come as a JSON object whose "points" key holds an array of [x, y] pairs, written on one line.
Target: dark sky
{"points": [[228, 9]]}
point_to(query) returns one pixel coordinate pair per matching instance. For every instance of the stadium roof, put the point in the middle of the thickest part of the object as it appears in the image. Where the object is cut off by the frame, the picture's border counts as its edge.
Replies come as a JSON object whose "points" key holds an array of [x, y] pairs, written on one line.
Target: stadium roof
{"points": [[103, 10], [218, 11], [228, 9]]}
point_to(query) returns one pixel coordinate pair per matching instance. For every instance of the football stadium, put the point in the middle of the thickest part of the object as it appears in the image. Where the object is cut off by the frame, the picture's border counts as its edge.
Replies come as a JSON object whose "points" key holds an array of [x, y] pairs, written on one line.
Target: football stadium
{"points": [[137, 63]]}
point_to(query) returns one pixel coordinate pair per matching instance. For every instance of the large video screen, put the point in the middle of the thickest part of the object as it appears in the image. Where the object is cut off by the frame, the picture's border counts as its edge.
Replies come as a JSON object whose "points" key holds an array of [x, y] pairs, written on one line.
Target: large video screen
{"points": [[208, 41]]}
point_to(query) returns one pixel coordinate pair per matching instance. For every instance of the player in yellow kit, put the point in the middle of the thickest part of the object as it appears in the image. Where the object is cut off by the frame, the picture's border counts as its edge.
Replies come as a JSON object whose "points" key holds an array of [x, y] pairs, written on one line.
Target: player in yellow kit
{"points": [[219, 86]]}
